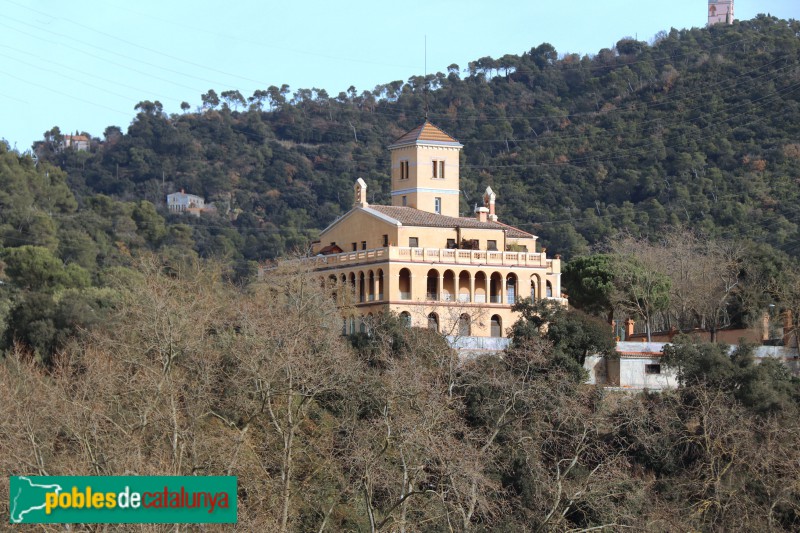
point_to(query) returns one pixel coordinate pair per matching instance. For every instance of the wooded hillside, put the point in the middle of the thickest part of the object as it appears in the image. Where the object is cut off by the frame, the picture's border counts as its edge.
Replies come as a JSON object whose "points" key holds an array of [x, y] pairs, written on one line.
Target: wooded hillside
{"points": [[699, 127]]}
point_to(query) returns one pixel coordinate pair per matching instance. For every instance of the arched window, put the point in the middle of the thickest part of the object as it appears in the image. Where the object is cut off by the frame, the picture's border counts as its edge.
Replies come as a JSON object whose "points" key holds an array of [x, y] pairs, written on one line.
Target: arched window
{"points": [[535, 288], [433, 322], [549, 289], [497, 326], [405, 319], [405, 284], [332, 284], [480, 288], [511, 289], [496, 288], [371, 286], [449, 286], [464, 327], [463, 287], [432, 285]]}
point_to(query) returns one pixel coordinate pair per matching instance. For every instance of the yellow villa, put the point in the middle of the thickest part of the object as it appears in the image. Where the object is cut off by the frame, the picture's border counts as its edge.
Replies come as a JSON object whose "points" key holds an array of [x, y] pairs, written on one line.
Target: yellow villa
{"points": [[420, 259]]}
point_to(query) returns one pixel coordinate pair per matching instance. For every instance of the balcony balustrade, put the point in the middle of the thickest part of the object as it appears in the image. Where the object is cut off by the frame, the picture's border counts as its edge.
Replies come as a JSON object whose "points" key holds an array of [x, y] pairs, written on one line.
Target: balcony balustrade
{"points": [[436, 255]]}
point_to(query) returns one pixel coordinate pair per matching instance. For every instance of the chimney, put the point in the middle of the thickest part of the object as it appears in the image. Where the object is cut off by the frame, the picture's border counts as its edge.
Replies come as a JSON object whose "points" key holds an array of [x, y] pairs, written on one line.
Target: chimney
{"points": [[488, 201], [481, 214], [629, 328], [360, 199]]}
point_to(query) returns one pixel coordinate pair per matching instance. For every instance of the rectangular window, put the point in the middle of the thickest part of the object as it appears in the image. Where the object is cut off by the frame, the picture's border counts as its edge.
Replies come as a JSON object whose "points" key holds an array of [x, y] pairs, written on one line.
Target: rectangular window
{"points": [[652, 369], [403, 170], [363, 245], [491, 245], [413, 242], [385, 241], [451, 243], [438, 169], [355, 246], [405, 201], [437, 205]]}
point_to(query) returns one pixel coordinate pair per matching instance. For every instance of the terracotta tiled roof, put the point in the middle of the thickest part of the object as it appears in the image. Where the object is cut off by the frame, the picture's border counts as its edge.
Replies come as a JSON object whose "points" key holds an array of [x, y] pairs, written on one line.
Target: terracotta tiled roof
{"points": [[330, 249], [426, 132], [408, 216]]}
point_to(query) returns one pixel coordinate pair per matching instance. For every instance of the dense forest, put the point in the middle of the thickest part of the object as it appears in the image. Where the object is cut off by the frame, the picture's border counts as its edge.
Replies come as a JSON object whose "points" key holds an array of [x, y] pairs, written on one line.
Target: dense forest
{"points": [[666, 174]]}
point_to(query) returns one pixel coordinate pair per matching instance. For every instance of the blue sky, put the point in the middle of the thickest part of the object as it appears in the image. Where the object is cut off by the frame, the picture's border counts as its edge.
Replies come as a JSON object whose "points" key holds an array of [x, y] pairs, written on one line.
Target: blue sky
{"points": [[84, 65]]}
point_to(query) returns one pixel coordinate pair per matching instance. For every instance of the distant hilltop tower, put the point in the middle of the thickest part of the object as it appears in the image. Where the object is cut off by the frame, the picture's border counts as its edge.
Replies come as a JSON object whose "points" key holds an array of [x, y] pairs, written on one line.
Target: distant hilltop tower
{"points": [[720, 12]]}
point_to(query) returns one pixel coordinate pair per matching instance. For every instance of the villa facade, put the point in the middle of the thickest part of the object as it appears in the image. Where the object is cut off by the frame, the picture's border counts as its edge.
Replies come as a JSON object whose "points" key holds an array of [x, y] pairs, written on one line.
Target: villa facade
{"points": [[421, 260]]}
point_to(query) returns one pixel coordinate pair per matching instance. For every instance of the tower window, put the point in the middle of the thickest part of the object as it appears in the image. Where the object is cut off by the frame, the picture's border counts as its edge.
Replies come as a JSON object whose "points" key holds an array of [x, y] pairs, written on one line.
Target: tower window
{"points": [[405, 200], [437, 205], [413, 242], [438, 169], [385, 241], [363, 245], [403, 170]]}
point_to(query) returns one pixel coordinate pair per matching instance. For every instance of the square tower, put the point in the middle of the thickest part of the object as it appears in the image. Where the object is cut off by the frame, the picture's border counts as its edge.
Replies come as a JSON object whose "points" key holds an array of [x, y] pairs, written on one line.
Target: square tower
{"points": [[425, 171], [720, 12]]}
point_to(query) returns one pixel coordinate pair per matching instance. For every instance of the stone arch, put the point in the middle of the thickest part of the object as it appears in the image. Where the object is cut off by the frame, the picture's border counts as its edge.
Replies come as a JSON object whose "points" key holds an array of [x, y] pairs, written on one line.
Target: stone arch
{"points": [[432, 285], [405, 319], [370, 278], [464, 325], [511, 288], [463, 287], [496, 288], [405, 284], [481, 288], [536, 288], [380, 284], [496, 326], [332, 287], [448, 286], [433, 322], [549, 289]]}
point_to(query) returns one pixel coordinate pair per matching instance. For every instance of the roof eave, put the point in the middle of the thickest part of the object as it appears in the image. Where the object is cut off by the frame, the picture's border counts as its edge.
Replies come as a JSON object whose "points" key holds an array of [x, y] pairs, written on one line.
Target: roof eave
{"points": [[416, 142]]}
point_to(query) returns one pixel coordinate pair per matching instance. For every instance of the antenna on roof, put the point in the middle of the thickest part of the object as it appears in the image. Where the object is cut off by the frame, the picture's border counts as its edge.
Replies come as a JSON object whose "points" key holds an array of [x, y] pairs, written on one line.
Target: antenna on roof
{"points": [[425, 78]]}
